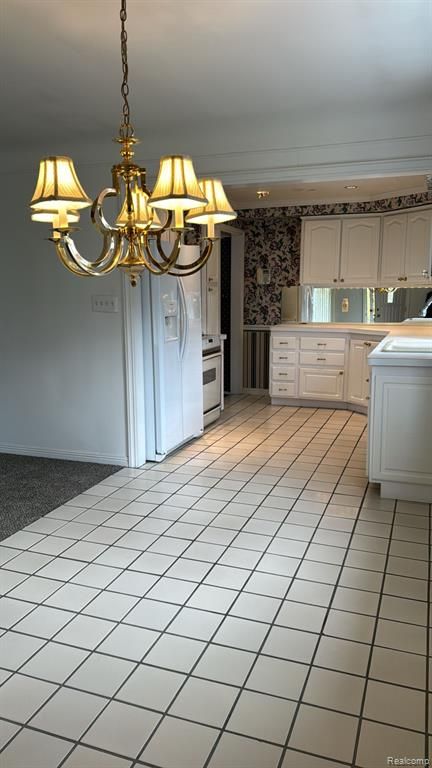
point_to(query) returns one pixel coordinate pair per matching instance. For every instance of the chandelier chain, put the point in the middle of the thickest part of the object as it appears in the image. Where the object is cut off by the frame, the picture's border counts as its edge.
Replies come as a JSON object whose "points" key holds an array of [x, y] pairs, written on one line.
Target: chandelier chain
{"points": [[126, 129]]}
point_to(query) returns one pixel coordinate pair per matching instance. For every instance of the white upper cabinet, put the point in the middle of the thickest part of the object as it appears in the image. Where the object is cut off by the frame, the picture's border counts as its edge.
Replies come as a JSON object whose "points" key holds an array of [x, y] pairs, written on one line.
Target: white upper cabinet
{"points": [[360, 251], [406, 248], [350, 250], [340, 251], [418, 246], [320, 251], [393, 250]]}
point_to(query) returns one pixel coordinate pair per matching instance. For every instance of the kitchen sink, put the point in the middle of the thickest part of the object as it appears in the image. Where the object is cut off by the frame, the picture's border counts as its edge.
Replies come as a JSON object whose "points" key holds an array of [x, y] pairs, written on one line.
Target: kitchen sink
{"points": [[409, 344]]}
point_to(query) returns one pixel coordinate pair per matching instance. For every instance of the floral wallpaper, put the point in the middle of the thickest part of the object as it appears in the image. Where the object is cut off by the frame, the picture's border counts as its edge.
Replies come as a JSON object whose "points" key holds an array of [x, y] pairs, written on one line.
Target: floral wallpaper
{"points": [[272, 240]]}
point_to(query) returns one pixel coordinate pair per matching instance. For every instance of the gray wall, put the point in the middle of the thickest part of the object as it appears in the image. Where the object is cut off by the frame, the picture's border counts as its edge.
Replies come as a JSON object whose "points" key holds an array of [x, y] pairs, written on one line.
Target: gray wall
{"points": [[62, 390]]}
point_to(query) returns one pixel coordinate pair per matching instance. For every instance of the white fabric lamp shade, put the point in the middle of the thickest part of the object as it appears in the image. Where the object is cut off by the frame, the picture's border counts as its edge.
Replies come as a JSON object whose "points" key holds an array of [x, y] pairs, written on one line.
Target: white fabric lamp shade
{"points": [[218, 208], [58, 186], [52, 217], [142, 215], [177, 186]]}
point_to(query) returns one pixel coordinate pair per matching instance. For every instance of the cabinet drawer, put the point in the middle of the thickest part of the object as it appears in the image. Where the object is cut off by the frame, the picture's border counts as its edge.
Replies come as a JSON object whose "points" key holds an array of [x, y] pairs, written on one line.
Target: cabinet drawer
{"points": [[284, 342], [283, 389], [322, 343], [322, 358], [285, 358], [279, 373]]}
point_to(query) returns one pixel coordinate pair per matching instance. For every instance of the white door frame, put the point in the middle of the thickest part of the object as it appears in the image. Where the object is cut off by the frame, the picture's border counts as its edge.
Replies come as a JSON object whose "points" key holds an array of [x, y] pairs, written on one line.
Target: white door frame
{"points": [[237, 296], [134, 374]]}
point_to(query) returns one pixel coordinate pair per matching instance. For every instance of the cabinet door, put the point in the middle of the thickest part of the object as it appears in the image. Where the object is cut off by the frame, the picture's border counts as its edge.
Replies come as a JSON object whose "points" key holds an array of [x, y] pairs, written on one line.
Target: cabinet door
{"points": [[400, 427], [418, 247], [360, 251], [320, 252], [356, 371], [370, 346], [393, 250], [321, 384]]}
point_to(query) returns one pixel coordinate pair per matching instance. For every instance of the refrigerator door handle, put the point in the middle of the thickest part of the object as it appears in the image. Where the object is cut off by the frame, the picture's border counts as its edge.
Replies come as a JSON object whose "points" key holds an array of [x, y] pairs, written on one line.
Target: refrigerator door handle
{"points": [[185, 319]]}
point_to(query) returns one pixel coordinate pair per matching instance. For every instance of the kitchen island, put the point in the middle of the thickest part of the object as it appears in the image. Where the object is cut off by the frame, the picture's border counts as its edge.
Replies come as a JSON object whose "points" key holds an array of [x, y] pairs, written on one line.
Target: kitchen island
{"points": [[400, 419]]}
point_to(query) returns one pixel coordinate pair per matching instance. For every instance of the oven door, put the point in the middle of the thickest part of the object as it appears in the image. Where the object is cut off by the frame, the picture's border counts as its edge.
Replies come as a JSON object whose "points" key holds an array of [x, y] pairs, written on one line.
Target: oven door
{"points": [[212, 382]]}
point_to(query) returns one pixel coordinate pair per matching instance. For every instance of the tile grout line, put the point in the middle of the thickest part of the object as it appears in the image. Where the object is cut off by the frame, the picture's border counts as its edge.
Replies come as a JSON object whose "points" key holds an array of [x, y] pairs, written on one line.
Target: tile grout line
{"points": [[272, 624], [120, 621], [235, 467]]}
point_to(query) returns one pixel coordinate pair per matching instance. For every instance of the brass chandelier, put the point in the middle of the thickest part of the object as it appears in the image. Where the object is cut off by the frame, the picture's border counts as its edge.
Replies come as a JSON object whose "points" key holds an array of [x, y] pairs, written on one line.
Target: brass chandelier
{"points": [[135, 242]]}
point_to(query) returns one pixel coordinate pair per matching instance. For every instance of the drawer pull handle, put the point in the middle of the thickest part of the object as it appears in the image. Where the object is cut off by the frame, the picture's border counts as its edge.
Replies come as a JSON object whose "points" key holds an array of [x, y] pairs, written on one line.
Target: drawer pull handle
{"points": [[367, 381], [281, 373], [341, 373], [282, 389], [322, 359], [321, 343], [283, 357], [367, 343]]}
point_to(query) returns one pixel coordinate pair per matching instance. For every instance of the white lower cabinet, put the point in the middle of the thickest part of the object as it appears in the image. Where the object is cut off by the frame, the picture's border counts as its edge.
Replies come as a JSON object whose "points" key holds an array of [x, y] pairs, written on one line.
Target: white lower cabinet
{"points": [[321, 383], [358, 371], [320, 367], [399, 432]]}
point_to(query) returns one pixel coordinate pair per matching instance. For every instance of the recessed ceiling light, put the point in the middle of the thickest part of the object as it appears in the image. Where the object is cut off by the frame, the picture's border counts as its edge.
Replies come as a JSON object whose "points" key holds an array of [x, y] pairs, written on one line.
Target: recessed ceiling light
{"points": [[351, 186], [262, 194]]}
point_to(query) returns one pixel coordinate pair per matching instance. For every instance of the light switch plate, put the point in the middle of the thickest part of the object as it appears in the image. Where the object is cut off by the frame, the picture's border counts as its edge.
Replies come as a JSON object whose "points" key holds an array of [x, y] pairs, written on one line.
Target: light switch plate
{"points": [[105, 304]]}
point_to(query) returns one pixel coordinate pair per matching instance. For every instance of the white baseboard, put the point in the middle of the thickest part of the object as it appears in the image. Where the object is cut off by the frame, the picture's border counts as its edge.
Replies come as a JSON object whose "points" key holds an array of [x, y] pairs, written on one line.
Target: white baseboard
{"points": [[406, 491], [332, 405], [46, 453]]}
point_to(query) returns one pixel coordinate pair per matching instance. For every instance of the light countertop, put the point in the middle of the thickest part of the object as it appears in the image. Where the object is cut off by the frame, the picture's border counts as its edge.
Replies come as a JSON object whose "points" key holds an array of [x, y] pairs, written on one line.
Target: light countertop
{"points": [[369, 329], [409, 344], [402, 344]]}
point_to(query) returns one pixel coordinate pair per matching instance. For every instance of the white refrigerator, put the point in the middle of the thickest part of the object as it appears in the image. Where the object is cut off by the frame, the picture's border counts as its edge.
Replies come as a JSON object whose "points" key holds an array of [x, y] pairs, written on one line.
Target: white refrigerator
{"points": [[172, 359]]}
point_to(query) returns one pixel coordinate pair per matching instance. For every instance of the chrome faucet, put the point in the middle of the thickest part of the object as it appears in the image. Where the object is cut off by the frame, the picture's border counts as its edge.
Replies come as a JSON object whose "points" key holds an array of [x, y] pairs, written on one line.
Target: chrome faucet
{"points": [[427, 304]]}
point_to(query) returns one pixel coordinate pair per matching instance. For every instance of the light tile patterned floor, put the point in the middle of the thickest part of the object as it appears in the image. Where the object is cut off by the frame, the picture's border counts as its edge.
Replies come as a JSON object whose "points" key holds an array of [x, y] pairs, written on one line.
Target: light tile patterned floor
{"points": [[248, 603]]}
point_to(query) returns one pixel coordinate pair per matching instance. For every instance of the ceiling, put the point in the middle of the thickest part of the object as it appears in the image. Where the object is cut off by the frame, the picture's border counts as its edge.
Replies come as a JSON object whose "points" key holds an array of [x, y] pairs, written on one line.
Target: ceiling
{"points": [[295, 192], [198, 61]]}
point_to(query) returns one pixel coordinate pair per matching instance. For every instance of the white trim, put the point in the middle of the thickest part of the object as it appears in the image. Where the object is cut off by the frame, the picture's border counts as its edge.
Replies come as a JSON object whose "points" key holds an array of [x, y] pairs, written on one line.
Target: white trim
{"points": [[304, 402], [54, 453], [406, 491], [134, 374], [368, 214], [340, 200]]}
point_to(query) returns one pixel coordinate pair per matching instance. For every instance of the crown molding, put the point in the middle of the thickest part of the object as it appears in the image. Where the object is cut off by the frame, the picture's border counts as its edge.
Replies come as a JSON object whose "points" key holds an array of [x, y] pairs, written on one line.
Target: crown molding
{"points": [[289, 202], [327, 162]]}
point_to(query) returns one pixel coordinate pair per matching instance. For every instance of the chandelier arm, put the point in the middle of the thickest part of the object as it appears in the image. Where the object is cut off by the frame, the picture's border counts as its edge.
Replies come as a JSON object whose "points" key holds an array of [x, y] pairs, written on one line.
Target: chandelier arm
{"points": [[108, 260], [172, 257], [153, 266], [183, 270], [97, 214], [69, 263], [166, 263]]}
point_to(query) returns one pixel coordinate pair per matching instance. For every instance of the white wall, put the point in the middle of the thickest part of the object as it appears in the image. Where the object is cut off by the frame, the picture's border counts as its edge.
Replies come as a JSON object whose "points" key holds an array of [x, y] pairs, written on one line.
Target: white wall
{"points": [[62, 390], [311, 145]]}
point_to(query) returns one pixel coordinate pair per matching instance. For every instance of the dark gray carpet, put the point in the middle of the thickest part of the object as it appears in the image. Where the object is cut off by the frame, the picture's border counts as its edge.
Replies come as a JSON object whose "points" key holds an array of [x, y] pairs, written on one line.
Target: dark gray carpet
{"points": [[30, 487]]}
